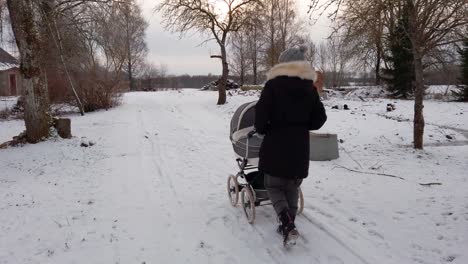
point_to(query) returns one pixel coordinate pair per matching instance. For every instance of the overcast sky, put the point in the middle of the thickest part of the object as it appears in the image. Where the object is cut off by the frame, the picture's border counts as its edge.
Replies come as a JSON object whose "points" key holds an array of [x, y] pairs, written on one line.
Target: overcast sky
{"points": [[186, 55]]}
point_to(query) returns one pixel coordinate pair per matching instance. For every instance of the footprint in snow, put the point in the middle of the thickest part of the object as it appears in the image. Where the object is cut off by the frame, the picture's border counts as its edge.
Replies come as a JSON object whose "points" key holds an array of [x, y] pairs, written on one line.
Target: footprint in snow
{"points": [[375, 233], [450, 258]]}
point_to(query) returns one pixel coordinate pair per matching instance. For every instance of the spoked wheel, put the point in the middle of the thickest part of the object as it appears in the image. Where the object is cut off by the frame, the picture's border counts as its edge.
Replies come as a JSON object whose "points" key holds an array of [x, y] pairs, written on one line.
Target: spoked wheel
{"points": [[248, 203], [300, 202], [233, 189]]}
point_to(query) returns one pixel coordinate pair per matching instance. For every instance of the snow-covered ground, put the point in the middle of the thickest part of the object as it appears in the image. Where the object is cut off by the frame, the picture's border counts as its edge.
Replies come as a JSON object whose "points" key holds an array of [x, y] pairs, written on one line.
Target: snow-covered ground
{"points": [[152, 189]]}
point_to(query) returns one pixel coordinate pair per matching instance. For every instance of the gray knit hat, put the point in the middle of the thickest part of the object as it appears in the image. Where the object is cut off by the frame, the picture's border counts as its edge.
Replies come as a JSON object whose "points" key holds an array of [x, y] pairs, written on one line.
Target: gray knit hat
{"points": [[293, 54]]}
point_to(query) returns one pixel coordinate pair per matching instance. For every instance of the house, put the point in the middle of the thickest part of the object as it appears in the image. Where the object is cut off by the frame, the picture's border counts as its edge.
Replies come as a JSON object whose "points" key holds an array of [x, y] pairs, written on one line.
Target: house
{"points": [[10, 77]]}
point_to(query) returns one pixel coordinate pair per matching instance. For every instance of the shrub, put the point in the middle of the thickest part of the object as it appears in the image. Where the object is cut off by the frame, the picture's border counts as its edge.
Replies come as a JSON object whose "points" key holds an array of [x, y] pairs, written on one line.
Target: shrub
{"points": [[5, 113], [99, 93]]}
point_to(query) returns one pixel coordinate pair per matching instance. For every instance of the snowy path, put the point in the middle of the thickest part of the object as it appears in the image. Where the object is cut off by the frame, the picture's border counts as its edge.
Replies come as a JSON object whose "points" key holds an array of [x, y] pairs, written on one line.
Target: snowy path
{"points": [[176, 179], [152, 190]]}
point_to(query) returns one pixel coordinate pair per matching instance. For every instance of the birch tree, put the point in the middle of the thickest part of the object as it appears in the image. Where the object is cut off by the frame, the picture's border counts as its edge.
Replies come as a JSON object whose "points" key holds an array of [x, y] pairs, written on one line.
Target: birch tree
{"points": [[23, 15]]}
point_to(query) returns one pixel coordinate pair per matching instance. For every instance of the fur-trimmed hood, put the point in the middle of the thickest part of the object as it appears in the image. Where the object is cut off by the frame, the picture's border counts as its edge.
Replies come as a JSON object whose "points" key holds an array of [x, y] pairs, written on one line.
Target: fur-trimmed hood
{"points": [[301, 69]]}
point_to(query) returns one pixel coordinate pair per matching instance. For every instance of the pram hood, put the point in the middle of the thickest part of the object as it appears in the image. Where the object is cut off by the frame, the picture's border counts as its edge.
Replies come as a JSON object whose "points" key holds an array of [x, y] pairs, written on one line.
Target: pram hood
{"points": [[243, 120], [242, 123]]}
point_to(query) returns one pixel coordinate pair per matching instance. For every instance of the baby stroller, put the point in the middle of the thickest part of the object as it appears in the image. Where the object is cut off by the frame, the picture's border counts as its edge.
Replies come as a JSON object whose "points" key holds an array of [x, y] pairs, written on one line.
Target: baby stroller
{"points": [[248, 182]]}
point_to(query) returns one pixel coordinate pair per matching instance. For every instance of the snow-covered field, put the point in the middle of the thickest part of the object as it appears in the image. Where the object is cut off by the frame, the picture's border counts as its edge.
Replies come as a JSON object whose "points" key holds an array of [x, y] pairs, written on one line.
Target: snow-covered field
{"points": [[439, 92], [152, 189]]}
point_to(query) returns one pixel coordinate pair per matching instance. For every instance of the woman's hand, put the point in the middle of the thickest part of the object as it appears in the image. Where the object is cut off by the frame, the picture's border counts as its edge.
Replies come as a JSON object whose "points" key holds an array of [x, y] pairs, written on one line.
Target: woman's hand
{"points": [[319, 81]]}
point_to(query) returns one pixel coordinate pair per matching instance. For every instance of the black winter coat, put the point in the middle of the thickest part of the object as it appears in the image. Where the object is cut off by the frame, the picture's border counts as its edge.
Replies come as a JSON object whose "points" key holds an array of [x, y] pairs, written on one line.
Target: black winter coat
{"points": [[288, 108]]}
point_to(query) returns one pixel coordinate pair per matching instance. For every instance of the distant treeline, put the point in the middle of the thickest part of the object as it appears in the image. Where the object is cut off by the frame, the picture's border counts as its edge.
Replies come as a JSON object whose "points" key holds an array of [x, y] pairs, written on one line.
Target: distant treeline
{"points": [[181, 81], [432, 77]]}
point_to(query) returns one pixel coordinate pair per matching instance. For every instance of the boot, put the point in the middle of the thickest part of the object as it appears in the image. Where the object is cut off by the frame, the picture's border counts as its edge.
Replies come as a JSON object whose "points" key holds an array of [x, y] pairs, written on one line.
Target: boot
{"points": [[287, 228]]}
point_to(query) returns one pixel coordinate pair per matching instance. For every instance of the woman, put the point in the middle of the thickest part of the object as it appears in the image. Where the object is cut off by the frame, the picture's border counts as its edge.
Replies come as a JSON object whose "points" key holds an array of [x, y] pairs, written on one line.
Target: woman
{"points": [[288, 108]]}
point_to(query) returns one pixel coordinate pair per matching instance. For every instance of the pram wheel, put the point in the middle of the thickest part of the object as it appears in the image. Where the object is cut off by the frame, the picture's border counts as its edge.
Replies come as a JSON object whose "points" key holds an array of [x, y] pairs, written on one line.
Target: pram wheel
{"points": [[248, 203], [300, 202], [233, 189]]}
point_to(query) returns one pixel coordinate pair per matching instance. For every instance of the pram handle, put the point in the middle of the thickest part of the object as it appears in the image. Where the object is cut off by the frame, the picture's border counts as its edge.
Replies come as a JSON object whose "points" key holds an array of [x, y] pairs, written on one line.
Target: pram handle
{"points": [[251, 133]]}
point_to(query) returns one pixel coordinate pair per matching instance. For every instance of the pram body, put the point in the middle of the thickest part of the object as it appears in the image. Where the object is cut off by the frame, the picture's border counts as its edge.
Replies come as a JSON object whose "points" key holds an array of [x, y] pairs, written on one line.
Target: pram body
{"points": [[248, 182]]}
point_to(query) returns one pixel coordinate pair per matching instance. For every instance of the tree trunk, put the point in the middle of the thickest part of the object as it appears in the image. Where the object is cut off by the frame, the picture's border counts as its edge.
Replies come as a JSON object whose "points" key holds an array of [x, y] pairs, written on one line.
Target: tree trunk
{"points": [[254, 69], [129, 50], [254, 65], [242, 75], [222, 82], [130, 64], [255, 56], [416, 43], [377, 67], [242, 63], [130, 75], [36, 109], [418, 132]]}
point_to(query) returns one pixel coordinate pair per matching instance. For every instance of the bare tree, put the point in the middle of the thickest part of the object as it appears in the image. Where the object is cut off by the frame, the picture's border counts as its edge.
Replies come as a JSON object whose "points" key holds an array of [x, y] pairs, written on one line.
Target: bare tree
{"points": [[333, 57], [239, 59], [432, 24], [366, 32], [101, 43], [312, 54], [254, 44], [23, 17], [135, 27], [282, 29], [35, 27], [268, 31], [206, 17]]}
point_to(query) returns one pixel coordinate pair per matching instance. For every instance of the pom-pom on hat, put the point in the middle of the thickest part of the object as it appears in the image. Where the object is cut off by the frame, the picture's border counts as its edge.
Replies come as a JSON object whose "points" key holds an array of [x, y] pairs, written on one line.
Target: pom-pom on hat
{"points": [[293, 54]]}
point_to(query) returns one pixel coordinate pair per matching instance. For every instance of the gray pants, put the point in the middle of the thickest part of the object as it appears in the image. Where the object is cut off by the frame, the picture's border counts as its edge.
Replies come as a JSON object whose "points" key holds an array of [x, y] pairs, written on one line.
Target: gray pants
{"points": [[283, 193]]}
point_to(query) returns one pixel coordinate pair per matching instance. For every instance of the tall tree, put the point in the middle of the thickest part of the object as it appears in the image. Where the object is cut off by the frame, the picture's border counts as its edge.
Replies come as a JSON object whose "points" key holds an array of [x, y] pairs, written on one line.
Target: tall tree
{"points": [[333, 58], [97, 47], [239, 58], [135, 26], [23, 15], [432, 23], [214, 18], [253, 32], [462, 94], [367, 35], [282, 29], [401, 71]]}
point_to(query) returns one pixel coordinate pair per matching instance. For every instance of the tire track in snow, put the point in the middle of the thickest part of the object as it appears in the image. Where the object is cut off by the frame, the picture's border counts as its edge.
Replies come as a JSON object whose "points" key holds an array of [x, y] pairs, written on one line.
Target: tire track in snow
{"points": [[274, 255], [157, 155], [201, 143], [333, 236]]}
